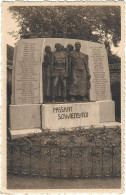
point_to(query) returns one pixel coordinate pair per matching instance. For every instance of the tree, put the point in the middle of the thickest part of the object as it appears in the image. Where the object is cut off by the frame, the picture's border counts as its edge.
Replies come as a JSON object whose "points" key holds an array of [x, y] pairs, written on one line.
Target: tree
{"points": [[10, 53], [92, 23]]}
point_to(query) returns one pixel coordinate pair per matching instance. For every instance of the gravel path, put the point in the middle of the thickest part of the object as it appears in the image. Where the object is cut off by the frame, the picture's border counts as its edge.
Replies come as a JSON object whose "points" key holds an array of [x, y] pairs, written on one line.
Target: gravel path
{"points": [[18, 182]]}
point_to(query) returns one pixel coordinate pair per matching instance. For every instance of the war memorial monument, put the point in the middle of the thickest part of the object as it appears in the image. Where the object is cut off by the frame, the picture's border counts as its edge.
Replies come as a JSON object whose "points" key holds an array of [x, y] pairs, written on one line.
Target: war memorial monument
{"points": [[59, 83], [64, 97]]}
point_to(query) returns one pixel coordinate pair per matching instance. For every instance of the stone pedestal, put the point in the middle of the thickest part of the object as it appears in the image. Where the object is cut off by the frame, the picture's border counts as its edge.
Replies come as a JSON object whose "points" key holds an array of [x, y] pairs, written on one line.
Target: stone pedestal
{"points": [[32, 118], [25, 116], [56, 116]]}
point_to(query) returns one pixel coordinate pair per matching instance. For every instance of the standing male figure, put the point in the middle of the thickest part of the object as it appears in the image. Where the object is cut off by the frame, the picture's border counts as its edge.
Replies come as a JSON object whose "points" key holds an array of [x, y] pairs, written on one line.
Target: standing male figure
{"points": [[47, 71], [70, 47], [80, 75], [59, 66]]}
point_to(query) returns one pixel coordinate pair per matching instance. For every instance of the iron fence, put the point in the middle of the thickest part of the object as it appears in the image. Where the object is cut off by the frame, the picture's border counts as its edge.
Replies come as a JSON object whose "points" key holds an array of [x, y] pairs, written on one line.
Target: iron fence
{"points": [[56, 160]]}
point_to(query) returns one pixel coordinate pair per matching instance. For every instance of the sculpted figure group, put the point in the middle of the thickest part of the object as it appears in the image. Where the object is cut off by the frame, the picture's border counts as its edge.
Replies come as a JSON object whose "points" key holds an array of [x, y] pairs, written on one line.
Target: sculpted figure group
{"points": [[66, 73]]}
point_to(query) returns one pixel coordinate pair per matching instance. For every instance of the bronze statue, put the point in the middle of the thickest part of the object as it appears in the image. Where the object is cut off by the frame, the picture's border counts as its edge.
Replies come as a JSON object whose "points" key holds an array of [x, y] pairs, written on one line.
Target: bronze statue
{"points": [[66, 49], [70, 47], [80, 75], [59, 66], [47, 71], [62, 48]]}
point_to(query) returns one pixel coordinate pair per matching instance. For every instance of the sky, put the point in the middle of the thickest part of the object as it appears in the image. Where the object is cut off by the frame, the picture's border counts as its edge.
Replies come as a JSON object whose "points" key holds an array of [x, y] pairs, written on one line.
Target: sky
{"points": [[13, 26]]}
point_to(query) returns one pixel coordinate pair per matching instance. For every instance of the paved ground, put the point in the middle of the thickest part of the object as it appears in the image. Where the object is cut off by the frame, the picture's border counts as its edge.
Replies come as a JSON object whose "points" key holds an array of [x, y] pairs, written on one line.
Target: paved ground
{"points": [[18, 182]]}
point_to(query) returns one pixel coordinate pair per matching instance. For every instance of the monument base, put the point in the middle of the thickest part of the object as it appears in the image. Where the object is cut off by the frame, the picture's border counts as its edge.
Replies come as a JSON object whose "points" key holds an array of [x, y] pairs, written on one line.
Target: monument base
{"points": [[59, 116], [68, 115], [26, 116]]}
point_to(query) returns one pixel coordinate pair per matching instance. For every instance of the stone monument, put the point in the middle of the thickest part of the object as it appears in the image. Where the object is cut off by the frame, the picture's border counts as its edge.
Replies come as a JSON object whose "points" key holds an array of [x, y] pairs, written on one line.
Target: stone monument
{"points": [[42, 69]]}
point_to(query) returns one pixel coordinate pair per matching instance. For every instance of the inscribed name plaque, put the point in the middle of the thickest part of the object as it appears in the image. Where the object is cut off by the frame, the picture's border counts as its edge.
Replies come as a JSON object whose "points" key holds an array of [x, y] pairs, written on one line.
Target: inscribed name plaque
{"points": [[100, 78], [28, 68]]}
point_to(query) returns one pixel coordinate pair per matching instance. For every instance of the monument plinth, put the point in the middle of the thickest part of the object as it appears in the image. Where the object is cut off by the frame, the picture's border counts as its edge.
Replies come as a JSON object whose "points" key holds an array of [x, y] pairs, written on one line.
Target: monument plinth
{"points": [[56, 116], [40, 67], [26, 116]]}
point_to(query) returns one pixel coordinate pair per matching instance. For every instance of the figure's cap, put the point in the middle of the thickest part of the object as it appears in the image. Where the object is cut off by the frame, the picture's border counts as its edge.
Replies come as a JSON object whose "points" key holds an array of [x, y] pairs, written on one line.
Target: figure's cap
{"points": [[47, 47], [57, 44], [78, 43], [69, 45]]}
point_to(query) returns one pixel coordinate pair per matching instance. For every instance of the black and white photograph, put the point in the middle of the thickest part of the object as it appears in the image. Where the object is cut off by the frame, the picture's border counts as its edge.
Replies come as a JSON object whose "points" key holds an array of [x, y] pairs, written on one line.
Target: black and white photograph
{"points": [[64, 81]]}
